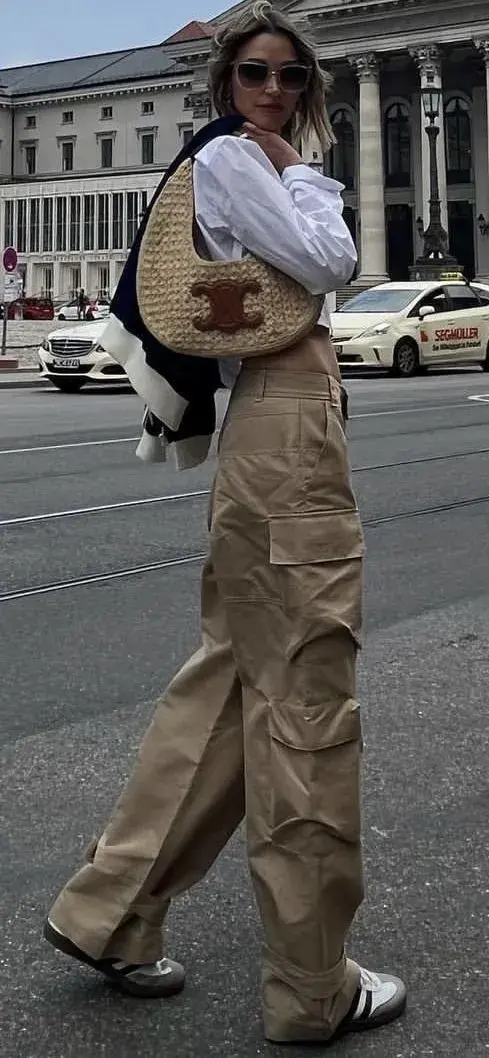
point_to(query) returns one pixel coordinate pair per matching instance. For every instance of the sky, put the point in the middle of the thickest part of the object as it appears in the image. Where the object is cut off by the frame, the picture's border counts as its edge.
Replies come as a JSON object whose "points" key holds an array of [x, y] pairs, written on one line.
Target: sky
{"points": [[37, 31]]}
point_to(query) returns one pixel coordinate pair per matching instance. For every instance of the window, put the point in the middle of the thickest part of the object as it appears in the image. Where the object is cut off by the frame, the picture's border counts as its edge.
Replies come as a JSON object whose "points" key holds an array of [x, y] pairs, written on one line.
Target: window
{"points": [[103, 281], [21, 243], [67, 117], [105, 113], [144, 203], [75, 280], [30, 121], [30, 159], [132, 217], [397, 145], [147, 107], [458, 141], [61, 223], [9, 222], [47, 277], [67, 156], [186, 133], [147, 148], [34, 218], [117, 221], [342, 155], [75, 217], [89, 222], [47, 225], [103, 222], [462, 297], [436, 299], [106, 152]]}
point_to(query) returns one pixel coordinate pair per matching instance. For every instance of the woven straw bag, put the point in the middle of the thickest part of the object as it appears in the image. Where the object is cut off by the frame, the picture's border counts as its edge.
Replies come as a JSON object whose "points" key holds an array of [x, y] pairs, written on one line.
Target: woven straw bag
{"points": [[213, 308]]}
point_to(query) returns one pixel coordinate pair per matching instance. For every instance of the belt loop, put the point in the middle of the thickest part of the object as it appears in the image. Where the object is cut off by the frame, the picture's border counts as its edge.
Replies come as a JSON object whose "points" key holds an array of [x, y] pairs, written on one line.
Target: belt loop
{"points": [[262, 385], [334, 392]]}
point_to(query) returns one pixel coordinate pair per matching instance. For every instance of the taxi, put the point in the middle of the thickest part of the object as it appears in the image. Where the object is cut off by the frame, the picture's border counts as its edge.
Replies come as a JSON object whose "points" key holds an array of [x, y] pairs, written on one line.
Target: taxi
{"points": [[405, 327]]}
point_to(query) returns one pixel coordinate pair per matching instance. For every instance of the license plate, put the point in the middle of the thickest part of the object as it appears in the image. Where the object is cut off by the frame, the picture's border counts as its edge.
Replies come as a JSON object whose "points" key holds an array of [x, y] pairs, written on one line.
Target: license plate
{"points": [[338, 349], [67, 361]]}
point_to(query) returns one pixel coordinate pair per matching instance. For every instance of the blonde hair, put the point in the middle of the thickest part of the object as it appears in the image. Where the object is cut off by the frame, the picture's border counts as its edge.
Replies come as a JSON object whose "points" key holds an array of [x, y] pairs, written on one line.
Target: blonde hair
{"points": [[311, 116]]}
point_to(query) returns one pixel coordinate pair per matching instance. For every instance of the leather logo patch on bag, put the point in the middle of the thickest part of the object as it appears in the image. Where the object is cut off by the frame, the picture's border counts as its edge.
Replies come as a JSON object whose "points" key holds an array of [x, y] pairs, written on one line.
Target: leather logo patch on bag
{"points": [[227, 307]]}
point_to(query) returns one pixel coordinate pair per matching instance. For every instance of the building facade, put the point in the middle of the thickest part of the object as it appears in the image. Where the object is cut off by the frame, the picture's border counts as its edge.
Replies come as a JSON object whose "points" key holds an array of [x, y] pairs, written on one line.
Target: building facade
{"points": [[83, 142]]}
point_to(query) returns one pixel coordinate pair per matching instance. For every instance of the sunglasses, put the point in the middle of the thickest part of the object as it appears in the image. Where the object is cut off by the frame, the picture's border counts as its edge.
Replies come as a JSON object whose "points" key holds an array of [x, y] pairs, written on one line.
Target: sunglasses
{"points": [[253, 73]]}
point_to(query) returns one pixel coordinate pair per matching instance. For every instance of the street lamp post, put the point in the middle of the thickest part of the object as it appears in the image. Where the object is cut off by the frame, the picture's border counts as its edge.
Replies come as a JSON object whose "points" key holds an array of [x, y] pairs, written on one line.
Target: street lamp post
{"points": [[435, 258]]}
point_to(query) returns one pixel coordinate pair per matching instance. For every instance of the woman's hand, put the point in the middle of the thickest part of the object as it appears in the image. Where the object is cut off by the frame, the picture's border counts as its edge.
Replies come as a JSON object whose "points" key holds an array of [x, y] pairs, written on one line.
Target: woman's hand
{"points": [[280, 153]]}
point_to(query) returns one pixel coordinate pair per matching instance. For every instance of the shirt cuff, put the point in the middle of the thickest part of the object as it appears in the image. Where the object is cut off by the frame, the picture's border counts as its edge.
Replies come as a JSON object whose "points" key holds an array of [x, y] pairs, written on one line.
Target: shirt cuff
{"points": [[305, 174]]}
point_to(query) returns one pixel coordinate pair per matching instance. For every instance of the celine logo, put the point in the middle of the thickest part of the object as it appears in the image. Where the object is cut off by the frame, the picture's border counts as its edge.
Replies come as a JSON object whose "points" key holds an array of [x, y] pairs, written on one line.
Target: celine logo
{"points": [[227, 308]]}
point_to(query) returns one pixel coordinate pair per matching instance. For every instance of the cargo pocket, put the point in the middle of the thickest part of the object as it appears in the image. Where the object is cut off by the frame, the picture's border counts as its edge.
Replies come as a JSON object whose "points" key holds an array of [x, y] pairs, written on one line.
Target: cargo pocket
{"points": [[315, 764], [316, 537]]}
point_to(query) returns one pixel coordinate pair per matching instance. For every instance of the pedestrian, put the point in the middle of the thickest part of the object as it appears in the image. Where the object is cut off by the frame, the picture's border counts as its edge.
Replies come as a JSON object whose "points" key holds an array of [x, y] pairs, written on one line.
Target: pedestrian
{"points": [[82, 303], [262, 721]]}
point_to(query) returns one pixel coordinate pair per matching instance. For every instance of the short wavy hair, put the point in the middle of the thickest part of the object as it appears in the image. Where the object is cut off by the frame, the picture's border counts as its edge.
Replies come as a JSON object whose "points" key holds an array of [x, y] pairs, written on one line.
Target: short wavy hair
{"points": [[311, 115]]}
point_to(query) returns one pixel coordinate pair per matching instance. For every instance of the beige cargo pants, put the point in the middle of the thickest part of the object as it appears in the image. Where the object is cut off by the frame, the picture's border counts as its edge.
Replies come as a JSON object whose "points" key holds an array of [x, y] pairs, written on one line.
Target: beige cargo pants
{"points": [[262, 721]]}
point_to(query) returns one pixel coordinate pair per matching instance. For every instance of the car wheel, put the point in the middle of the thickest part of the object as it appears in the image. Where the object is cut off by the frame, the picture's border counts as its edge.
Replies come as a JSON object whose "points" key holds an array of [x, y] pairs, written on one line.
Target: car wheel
{"points": [[406, 359], [61, 316], [68, 385]]}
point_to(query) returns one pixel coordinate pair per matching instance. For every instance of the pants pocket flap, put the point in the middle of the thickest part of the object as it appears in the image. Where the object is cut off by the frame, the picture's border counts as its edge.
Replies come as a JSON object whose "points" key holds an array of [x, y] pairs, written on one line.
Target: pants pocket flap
{"points": [[319, 536], [315, 727]]}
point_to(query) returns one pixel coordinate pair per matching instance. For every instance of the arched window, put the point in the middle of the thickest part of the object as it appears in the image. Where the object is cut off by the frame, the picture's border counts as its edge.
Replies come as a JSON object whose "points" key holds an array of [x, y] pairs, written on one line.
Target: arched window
{"points": [[397, 136], [458, 139], [342, 155]]}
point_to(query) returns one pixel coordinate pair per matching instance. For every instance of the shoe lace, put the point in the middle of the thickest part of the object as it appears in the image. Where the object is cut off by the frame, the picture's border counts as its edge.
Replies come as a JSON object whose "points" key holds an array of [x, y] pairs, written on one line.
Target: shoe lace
{"points": [[368, 980]]}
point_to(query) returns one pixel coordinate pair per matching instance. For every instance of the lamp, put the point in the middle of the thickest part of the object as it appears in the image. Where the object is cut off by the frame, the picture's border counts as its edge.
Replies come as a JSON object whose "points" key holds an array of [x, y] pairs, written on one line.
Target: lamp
{"points": [[431, 96], [483, 224]]}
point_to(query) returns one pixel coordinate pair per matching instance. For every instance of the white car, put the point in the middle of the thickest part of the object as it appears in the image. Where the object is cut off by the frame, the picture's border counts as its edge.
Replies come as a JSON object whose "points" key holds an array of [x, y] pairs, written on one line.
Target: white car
{"points": [[97, 309], [72, 356], [405, 327]]}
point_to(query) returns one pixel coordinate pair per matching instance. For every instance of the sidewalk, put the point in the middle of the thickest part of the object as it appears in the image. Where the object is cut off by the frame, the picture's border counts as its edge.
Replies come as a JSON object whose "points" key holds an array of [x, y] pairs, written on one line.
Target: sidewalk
{"points": [[22, 378]]}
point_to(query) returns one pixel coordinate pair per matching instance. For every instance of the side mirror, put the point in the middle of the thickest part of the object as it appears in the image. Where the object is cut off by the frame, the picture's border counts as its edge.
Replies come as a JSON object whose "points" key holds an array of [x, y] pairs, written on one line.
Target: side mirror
{"points": [[426, 310]]}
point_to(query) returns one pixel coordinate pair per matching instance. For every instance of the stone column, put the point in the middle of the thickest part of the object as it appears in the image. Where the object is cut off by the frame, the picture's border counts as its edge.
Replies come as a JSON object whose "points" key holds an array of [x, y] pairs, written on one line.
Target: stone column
{"points": [[483, 47], [371, 173], [481, 177], [428, 61]]}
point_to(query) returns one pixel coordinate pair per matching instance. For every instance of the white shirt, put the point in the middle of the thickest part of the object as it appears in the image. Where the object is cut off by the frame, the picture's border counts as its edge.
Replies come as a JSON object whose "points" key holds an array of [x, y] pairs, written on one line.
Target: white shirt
{"points": [[293, 221]]}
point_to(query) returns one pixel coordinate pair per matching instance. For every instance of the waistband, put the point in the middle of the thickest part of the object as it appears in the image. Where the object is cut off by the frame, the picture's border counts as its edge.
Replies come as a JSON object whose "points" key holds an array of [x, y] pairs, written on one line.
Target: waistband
{"points": [[260, 383]]}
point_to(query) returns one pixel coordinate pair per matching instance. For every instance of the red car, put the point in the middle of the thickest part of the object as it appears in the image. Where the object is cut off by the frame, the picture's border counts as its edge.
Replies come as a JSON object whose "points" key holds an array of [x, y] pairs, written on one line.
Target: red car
{"points": [[31, 309]]}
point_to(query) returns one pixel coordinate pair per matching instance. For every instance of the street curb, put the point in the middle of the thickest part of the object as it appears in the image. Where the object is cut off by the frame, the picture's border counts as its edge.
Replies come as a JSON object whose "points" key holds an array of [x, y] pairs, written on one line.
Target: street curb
{"points": [[22, 383]]}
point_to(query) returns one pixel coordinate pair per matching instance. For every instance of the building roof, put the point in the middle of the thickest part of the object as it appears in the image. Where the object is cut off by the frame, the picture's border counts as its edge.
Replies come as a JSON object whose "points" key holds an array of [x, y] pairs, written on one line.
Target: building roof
{"points": [[89, 71], [192, 31]]}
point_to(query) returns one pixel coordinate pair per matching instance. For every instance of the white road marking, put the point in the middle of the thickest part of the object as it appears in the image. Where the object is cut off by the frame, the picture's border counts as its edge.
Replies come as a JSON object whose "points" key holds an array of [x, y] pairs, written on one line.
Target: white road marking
{"points": [[482, 398], [58, 448], [406, 411], [104, 507], [98, 578]]}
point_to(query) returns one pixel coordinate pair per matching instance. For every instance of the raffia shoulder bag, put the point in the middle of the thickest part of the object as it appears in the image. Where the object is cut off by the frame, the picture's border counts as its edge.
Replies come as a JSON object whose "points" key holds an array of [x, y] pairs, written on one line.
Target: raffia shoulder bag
{"points": [[213, 308]]}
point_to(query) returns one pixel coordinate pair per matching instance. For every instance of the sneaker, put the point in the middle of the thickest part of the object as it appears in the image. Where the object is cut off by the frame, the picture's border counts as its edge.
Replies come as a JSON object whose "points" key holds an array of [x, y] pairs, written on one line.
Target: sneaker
{"points": [[150, 981], [379, 999]]}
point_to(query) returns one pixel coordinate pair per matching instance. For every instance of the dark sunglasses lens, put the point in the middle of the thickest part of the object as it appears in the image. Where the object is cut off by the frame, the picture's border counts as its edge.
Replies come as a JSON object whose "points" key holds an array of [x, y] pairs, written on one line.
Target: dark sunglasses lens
{"points": [[252, 74], [293, 78]]}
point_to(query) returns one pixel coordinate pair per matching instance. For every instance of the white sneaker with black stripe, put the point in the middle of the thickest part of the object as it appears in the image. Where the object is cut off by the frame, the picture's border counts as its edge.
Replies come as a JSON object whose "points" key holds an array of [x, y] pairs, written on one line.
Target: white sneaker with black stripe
{"points": [[380, 998]]}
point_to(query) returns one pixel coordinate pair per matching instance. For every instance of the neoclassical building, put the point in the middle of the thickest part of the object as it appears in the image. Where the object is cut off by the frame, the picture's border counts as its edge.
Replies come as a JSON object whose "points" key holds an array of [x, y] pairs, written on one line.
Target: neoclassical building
{"points": [[83, 141]]}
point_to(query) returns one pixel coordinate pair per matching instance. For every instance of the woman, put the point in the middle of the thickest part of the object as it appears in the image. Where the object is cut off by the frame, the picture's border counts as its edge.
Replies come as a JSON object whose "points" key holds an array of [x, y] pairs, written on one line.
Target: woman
{"points": [[262, 721]]}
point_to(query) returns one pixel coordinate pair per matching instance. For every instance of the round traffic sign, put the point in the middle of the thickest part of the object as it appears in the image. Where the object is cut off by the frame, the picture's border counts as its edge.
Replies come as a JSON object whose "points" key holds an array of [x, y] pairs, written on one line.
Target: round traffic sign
{"points": [[9, 259]]}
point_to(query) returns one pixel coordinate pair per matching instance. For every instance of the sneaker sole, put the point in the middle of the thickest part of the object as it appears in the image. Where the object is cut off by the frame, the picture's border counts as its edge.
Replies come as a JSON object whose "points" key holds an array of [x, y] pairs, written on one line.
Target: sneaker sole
{"points": [[152, 990]]}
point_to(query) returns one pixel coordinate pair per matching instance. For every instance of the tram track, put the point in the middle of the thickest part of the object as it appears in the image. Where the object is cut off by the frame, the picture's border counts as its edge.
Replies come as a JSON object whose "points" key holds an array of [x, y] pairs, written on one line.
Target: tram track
{"points": [[176, 497], [194, 557]]}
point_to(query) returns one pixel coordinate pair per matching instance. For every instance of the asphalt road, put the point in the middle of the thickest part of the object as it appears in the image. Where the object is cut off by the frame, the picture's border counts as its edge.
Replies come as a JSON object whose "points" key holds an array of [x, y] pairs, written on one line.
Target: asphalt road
{"points": [[89, 638]]}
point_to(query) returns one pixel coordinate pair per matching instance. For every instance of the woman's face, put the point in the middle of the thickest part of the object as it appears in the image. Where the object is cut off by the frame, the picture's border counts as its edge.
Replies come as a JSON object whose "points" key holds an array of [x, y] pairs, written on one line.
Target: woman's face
{"points": [[267, 98]]}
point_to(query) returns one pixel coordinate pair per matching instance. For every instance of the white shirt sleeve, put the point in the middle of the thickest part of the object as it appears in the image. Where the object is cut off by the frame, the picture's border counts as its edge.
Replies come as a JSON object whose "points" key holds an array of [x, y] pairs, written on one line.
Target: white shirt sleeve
{"points": [[293, 222]]}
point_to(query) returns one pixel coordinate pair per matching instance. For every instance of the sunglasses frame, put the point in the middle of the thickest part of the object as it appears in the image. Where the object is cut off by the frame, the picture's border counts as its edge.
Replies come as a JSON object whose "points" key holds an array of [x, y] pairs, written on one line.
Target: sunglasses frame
{"points": [[271, 72]]}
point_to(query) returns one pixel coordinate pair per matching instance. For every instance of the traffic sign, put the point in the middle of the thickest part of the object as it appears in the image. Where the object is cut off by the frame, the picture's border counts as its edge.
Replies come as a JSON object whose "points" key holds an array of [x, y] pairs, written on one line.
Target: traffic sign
{"points": [[9, 259], [10, 287]]}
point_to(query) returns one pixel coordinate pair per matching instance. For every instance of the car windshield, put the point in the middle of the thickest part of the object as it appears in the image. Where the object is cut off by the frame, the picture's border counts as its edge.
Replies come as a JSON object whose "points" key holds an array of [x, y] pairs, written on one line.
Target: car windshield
{"points": [[382, 300]]}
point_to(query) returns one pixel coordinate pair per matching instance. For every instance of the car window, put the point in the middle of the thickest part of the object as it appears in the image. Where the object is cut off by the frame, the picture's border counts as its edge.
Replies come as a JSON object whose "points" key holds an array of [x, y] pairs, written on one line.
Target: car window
{"points": [[436, 299], [463, 297], [483, 294], [384, 299]]}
